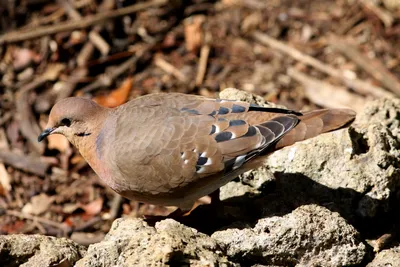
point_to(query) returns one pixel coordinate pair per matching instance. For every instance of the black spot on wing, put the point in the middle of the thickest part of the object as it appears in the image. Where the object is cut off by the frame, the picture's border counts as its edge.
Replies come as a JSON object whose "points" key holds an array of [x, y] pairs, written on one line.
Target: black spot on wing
{"points": [[223, 110], [238, 109], [213, 113], [192, 111], [251, 131], [237, 122], [224, 136], [83, 134], [213, 129], [201, 161], [274, 110]]}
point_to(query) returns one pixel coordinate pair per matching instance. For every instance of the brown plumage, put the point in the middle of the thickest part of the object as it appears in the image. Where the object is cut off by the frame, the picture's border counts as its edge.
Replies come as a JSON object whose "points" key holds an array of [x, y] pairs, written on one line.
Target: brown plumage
{"points": [[171, 149]]}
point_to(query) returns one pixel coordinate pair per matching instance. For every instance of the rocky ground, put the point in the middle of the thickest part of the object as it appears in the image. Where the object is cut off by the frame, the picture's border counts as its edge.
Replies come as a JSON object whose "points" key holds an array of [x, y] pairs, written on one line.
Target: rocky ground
{"points": [[328, 201]]}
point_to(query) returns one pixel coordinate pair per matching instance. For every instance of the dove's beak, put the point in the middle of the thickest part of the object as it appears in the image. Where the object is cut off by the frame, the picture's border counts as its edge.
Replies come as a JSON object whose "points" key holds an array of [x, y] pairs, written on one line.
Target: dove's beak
{"points": [[45, 133]]}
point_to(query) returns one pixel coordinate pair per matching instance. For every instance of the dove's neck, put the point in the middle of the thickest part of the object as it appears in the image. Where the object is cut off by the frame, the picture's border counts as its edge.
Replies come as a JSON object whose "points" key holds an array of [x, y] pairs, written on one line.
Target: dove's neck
{"points": [[95, 150], [89, 144]]}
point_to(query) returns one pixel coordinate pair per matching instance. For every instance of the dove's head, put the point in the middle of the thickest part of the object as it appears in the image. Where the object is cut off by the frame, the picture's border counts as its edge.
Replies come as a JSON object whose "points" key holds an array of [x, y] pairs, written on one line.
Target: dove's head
{"points": [[74, 117]]}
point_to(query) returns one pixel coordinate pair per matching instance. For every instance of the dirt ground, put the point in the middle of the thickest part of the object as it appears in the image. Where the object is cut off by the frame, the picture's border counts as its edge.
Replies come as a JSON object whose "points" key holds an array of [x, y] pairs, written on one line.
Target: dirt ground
{"points": [[298, 53]]}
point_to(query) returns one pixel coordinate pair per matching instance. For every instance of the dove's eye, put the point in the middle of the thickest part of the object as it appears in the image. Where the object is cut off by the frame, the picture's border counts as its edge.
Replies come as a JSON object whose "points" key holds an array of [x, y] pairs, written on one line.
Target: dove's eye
{"points": [[65, 122]]}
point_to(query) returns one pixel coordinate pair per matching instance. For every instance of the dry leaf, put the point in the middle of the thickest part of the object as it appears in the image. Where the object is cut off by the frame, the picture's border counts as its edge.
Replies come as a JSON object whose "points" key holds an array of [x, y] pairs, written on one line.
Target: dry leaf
{"points": [[58, 142], [116, 97], [70, 208], [3, 140], [22, 58], [194, 33], [38, 205], [5, 178], [93, 207], [77, 159]]}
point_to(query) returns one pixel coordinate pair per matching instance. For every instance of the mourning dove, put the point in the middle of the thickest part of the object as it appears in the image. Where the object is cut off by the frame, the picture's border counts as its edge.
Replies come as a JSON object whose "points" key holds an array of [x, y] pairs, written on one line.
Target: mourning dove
{"points": [[172, 149]]}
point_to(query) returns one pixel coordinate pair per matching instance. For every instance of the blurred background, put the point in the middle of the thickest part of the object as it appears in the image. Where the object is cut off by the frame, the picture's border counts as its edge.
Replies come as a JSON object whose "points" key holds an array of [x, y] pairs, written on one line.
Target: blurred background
{"points": [[298, 53]]}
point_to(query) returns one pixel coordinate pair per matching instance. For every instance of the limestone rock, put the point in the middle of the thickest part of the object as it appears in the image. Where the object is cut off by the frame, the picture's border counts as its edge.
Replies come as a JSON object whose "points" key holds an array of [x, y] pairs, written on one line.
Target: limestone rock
{"points": [[38, 251], [387, 258], [363, 160], [131, 242], [309, 236], [357, 165]]}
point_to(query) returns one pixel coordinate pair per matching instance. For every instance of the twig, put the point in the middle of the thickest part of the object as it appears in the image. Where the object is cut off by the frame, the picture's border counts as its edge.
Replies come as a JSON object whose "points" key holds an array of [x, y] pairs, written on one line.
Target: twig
{"points": [[349, 22], [201, 72], [28, 124], [382, 14], [106, 79], [60, 90], [375, 68], [42, 220], [115, 206], [85, 54], [94, 36], [325, 94], [169, 68], [358, 85], [98, 41], [69, 9], [27, 163], [43, 20], [16, 36], [88, 224], [7, 116]]}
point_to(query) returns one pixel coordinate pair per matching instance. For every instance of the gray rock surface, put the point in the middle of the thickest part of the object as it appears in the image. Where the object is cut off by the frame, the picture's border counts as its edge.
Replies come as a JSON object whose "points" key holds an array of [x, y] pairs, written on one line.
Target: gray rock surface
{"points": [[387, 258], [240, 95], [38, 251], [131, 242], [355, 165], [363, 159], [293, 198], [309, 236]]}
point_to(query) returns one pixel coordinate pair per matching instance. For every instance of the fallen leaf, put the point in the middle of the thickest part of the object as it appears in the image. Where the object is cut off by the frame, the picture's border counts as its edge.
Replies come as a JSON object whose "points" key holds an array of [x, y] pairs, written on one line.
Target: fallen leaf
{"points": [[4, 179], [70, 208], [77, 159], [13, 228], [22, 58], [194, 33], [93, 207], [38, 204], [117, 97]]}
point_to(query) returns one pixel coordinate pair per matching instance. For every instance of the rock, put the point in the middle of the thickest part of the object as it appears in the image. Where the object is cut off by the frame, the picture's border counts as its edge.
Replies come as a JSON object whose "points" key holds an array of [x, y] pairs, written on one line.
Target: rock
{"points": [[385, 112], [240, 95], [362, 160], [131, 242], [38, 251], [386, 258], [309, 236], [250, 183], [357, 165]]}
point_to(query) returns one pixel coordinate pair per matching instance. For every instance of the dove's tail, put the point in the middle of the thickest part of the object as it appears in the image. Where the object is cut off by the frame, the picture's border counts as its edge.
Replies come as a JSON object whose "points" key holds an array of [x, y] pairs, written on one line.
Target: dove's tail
{"points": [[316, 122]]}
